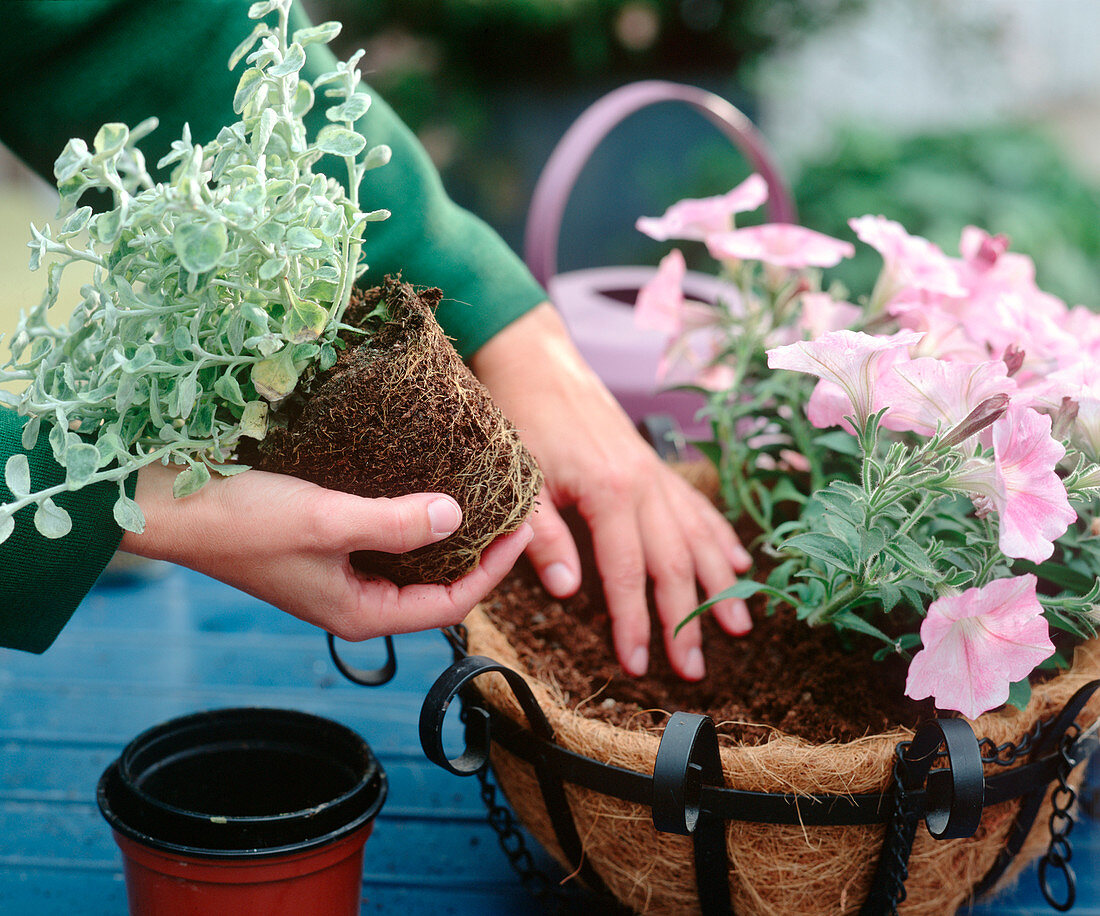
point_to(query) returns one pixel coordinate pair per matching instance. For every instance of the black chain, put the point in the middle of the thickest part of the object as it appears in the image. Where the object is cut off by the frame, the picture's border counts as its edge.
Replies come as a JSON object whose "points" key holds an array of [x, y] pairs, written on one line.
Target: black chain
{"points": [[900, 831], [1059, 852], [503, 822]]}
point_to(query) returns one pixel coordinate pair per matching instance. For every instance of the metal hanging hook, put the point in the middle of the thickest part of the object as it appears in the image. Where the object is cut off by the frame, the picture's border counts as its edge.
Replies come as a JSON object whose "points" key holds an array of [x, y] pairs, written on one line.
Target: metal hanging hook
{"points": [[365, 677]]}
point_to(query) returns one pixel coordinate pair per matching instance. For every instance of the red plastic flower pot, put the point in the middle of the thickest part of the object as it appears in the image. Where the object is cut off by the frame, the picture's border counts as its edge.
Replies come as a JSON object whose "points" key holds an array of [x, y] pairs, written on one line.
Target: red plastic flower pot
{"points": [[255, 812]]}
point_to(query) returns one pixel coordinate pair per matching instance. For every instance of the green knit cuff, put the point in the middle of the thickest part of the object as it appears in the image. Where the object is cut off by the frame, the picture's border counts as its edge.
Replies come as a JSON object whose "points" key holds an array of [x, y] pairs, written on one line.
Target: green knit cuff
{"points": [[41, 580]]}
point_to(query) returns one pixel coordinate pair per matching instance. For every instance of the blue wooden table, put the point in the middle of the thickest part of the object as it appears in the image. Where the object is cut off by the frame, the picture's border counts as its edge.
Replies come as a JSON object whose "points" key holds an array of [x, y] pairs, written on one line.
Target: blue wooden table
{"points": [[144, 649]]}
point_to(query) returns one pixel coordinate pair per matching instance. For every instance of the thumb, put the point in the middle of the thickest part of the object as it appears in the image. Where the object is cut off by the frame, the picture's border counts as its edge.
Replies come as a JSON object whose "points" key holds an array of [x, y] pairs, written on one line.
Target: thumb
{"points": [[400, 524]]}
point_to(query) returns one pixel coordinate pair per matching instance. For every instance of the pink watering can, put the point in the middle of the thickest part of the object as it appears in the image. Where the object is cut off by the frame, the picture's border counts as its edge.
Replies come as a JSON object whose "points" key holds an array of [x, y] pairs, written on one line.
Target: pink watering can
{"points": [[597, 303]]}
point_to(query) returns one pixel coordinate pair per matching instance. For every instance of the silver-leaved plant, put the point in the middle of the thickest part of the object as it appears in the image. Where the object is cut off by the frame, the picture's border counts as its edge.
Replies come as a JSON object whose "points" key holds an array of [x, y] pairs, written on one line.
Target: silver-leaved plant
{"points": [[212, 292]]}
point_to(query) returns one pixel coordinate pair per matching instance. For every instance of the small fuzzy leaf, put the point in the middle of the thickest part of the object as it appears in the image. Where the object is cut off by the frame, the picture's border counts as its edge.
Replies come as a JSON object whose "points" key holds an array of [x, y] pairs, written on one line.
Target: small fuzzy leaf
{"points": [[261, 8], [30, 433], [245, 46], [72, 160], [323, 33], [303, 99], [109, 139], [7, 525], [128, 514], [200, 246], [378, 155], [81, 462], [51, 520], [142, 359], [228, 389], [190, 480], [250, 82], [17, 475], [181, 339], [262, 135], [299, 238], [275, 267], [254, 419], [77, 221], [230, 470], [327, 358], [351, 110], [293, 62], [305, 322], [339, 141], [275, 377]]}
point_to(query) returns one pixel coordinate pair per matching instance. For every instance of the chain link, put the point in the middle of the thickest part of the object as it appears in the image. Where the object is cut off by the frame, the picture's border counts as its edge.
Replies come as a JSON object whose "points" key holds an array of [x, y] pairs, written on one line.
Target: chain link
{"points": [[1059, 851]]}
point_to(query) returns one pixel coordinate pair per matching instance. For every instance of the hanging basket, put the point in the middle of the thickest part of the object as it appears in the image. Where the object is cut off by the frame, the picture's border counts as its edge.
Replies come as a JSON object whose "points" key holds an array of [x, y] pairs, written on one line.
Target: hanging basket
{"points": [[676, 825]]}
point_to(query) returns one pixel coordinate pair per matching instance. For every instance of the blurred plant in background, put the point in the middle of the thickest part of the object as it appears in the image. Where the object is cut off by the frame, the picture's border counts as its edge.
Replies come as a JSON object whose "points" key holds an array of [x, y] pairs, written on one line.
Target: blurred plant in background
{"points": [[489, 86], [1010, 179]]}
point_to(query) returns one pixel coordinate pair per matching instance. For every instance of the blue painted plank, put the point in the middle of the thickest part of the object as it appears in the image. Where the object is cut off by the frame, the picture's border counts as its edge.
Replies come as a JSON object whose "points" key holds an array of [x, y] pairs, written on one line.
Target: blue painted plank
{"points": [[141, 651]]}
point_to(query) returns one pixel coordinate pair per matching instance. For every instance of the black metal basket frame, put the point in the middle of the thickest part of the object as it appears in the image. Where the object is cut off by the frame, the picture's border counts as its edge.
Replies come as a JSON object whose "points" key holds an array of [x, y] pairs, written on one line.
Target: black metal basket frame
{"points": [[939, 777]]}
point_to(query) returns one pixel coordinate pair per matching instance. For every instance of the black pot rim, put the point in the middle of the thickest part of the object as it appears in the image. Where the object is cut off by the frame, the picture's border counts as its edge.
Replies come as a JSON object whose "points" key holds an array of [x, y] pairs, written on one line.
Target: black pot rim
{"points": [[136, 814]]}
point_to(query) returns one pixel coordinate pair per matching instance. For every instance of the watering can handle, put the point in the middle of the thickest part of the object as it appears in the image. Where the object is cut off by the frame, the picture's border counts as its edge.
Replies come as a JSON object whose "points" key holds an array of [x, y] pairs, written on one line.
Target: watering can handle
{"points": [[579, 142]]}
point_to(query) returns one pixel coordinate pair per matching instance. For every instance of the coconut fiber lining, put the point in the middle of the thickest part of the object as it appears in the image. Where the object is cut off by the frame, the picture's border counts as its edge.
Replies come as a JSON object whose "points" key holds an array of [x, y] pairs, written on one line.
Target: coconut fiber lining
{"points": [[403, 414], [777, 870]]}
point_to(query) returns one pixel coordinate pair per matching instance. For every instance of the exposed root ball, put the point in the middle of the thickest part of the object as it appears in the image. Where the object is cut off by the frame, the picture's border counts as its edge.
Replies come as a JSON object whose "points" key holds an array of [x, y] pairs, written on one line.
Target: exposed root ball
{"points": [[403, 414]]}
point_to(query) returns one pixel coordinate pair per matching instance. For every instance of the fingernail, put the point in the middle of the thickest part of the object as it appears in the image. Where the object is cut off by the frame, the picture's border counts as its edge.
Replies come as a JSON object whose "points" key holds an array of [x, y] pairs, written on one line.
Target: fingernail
{"points": [[694, 666], [559, 579], [742, 557], [736, 617], [444, 515], [639, 662]]}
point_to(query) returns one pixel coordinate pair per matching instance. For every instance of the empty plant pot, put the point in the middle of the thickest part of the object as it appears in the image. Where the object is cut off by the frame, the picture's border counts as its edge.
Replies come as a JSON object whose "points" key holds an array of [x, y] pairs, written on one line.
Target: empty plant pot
{"points": [[255, 812]]}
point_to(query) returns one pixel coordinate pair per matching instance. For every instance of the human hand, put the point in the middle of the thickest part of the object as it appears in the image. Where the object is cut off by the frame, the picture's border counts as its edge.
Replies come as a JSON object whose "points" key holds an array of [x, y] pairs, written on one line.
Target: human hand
{"points": [[644, 519], [287, 542]]}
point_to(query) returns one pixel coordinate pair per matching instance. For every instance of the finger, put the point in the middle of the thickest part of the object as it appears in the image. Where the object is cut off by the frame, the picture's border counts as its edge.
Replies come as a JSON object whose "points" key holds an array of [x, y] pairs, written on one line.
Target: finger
{"points": [[715, 576], [672, 568], [552, 550], [621, 561], [391, 525], [381, 607], [717, 525], [714, 546]]}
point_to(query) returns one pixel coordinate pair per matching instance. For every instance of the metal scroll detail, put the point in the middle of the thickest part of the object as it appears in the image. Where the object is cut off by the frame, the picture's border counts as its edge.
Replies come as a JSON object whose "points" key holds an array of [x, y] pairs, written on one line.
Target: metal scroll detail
{"points": [[373, 677], [953, 798], [475, 756], [687, 759]]}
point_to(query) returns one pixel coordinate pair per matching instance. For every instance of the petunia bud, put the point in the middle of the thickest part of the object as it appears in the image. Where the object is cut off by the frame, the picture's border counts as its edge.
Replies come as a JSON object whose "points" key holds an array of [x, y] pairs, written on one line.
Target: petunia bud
{"points": [[1013, 359], [1064, 419], [981, 417]]}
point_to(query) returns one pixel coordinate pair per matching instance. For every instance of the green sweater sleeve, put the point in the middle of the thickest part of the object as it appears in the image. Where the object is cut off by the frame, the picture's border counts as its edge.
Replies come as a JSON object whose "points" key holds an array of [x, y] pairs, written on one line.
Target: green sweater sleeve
{"points": [[81, 63], [42, 581]]}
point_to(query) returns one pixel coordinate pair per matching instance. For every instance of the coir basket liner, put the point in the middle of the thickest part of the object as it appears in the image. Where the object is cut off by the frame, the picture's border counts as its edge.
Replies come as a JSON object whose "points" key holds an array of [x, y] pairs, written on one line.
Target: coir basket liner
{"points": [[774, 869]]}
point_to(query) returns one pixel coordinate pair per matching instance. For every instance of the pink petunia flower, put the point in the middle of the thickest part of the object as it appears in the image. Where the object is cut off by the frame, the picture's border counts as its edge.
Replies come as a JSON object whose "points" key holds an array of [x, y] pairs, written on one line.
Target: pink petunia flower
{"points": [[780, 244], [979, 643], [1021, 484], [848, 359], [822, 313], [660, 303], [925, 395], [912, 264], [698, 218]]}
